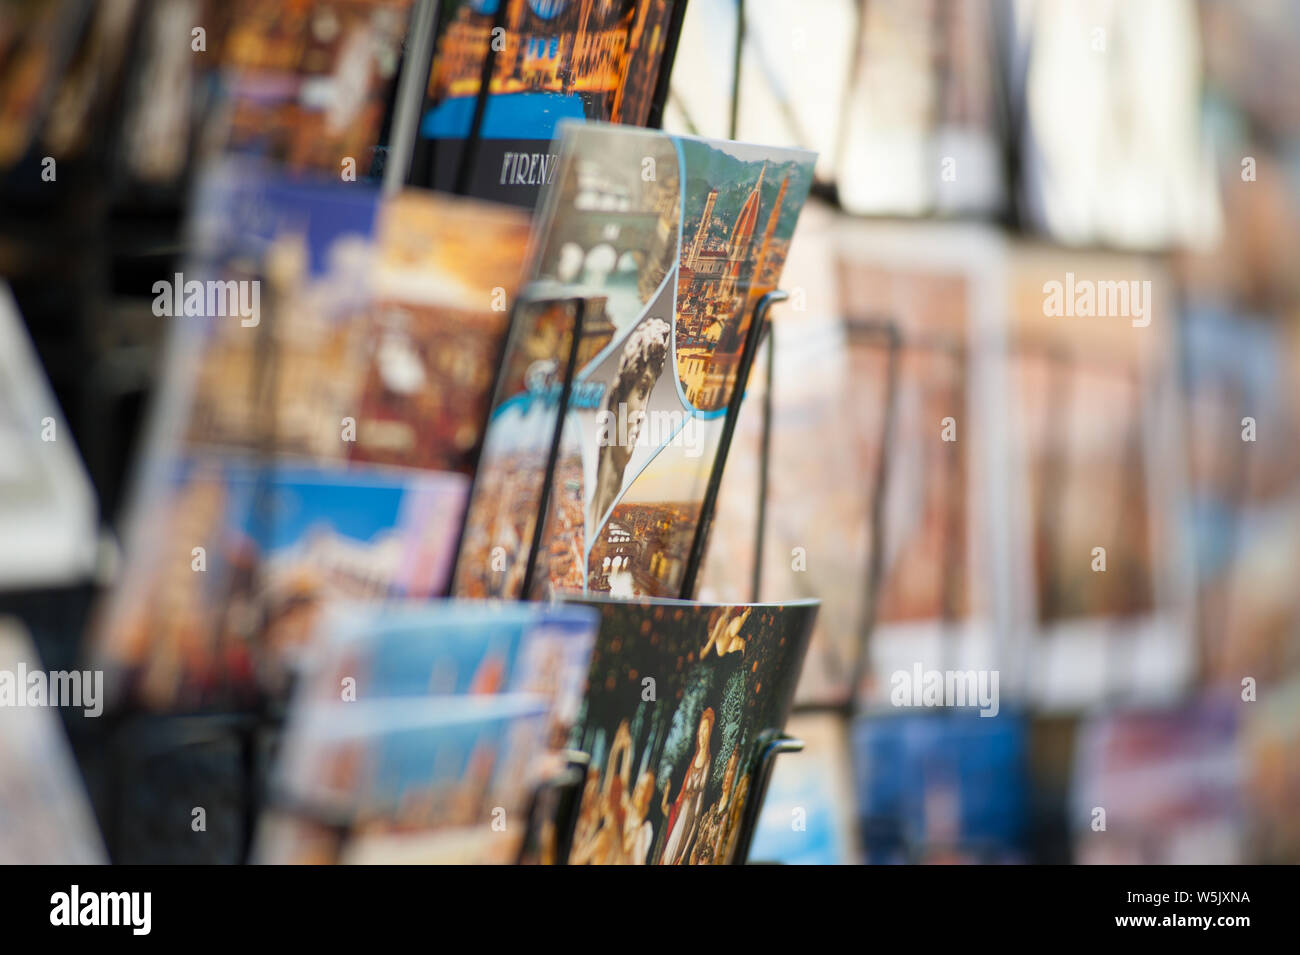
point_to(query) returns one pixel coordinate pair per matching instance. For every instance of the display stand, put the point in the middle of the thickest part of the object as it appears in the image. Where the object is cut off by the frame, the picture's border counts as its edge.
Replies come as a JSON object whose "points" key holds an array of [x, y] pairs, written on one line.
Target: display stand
{"points": [[240, 733], [884, 334]]}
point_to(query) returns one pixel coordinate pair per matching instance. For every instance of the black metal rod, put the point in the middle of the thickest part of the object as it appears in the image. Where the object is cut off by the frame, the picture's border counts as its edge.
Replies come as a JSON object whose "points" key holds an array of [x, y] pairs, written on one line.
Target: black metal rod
{"points": [[752, 338], [734, 121], [761, 776], [764, 465], [469, 151], [570, 805], [498, 395], [659, 99], [553, 456]]}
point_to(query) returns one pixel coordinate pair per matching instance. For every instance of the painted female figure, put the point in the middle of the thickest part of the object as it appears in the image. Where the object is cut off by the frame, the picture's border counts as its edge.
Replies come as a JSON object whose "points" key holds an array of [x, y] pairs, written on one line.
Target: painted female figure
{"points": [[686, 811]]}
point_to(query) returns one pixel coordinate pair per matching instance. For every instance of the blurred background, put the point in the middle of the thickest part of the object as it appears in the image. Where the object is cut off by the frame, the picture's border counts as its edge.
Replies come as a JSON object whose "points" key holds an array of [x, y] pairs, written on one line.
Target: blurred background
{"points": [[971, 468]]}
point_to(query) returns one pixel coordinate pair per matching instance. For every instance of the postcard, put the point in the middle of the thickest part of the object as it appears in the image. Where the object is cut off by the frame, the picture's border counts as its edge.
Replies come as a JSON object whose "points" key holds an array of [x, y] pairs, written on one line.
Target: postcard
{"points": [[446, 273], [1100, 544], [550, 62], [307, 85], [238, 559], [681, 699], [452, 648], [411, 765], [669, 242], [383, 325], [944, 787], [325, 533], [274, 363], [417, 648], [419, 730], [334, 402], [1169, 785], [916, 582]]}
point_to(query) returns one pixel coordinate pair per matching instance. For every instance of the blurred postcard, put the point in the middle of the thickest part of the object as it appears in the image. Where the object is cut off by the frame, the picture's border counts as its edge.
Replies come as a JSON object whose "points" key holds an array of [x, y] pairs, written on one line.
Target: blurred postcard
{"points": [[225, 591], [1169, 784], [415, 764], [946, 787], [453, 648], [419, 730], [306, 85], [317, 436]]}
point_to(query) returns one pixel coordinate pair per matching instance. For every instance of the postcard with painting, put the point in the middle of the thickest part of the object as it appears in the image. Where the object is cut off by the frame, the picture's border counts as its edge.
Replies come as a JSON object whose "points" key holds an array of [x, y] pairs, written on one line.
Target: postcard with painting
{"points": [[681, 698]]}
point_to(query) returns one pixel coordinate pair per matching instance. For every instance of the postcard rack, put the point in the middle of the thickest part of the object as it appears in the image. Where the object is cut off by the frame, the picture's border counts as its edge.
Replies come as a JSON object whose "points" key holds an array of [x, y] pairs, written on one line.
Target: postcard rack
{"points": [[562, 798], [216, 760]]}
